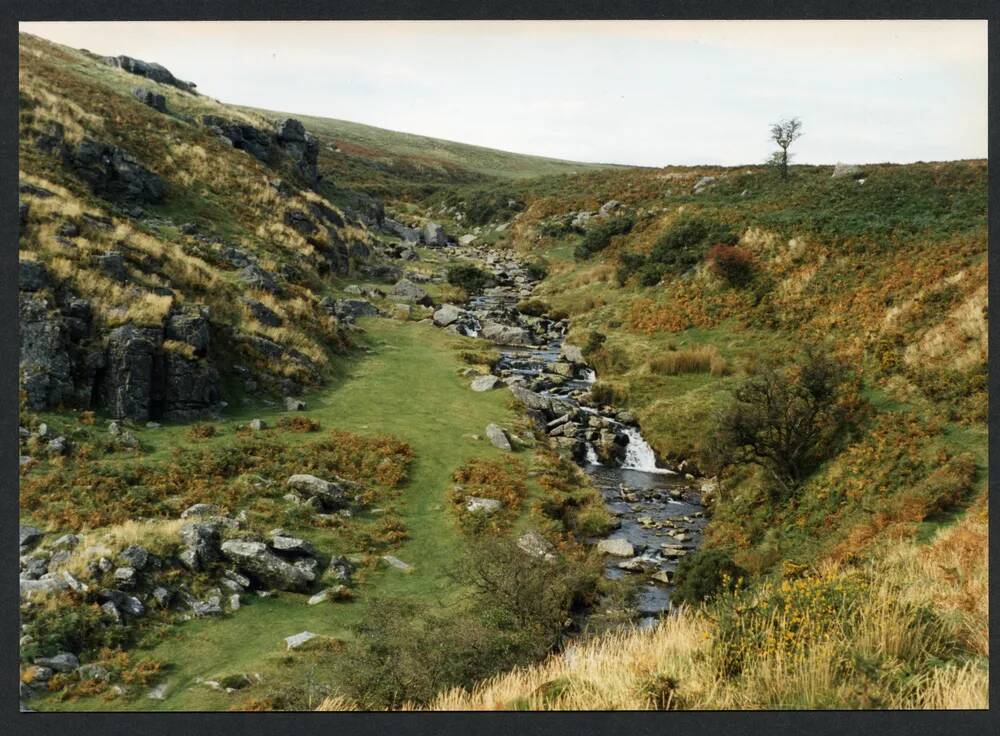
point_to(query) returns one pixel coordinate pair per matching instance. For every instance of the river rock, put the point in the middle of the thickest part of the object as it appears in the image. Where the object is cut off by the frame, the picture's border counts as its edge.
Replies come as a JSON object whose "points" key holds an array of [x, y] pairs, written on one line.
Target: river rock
{"points": [[448, 314], [530, 399], [502, 334], [618, 547], [572, 353]]}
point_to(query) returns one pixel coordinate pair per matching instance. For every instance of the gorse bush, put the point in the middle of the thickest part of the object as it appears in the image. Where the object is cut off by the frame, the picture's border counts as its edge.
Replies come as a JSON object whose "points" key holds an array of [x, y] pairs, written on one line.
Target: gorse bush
{"points": [[703, 574], [681, 247], [598, 237], [684, 245], [514, 614], [473, 280]]}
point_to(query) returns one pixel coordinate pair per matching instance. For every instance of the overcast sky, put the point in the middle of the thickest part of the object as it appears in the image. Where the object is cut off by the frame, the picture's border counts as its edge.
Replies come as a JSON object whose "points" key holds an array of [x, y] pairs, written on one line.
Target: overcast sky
{"points": [[634, 92]]}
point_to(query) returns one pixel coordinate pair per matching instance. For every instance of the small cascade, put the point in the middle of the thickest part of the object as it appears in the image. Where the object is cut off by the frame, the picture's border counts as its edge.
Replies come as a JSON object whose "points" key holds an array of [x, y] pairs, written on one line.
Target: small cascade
{"points": [[589, 376], [639, 455], [592, 455]]}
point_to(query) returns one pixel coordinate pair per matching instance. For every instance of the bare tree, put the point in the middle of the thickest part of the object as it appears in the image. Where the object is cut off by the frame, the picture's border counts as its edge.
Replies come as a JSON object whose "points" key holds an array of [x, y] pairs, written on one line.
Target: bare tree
{"points": [[784, 133]]}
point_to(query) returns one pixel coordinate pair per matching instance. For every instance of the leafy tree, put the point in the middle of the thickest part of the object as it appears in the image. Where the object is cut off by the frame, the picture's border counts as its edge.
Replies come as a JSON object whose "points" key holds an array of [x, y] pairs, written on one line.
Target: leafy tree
{"points": [[785, 132], [788, 420]]}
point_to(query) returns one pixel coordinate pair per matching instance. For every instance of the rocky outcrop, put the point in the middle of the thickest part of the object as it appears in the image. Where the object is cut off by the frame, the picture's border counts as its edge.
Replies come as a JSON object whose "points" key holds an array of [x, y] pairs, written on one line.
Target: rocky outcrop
{"points": [[113, 172], [149, 70], [255, 560], [134, 370], [46, 362], [153, 99], [289, 139], [301, 148]]}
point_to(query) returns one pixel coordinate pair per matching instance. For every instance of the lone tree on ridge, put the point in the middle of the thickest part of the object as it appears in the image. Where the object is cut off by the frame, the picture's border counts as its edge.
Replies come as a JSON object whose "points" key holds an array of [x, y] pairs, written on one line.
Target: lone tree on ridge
{"points": [[784, 133]]}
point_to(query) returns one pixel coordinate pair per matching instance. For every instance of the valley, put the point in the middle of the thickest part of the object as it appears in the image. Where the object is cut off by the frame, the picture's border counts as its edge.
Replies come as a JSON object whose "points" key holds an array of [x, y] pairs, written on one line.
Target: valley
{"points": [[480, 428]]}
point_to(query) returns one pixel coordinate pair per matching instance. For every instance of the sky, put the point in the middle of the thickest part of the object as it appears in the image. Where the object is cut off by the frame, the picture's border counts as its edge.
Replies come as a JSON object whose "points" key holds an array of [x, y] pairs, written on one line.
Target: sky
{"points": [[648, 93]]}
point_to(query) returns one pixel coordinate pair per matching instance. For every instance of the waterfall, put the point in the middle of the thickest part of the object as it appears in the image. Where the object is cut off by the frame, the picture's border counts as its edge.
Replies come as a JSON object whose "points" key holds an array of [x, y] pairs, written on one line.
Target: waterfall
{"points": [[592, 455], [639, 455], [589, 376]]}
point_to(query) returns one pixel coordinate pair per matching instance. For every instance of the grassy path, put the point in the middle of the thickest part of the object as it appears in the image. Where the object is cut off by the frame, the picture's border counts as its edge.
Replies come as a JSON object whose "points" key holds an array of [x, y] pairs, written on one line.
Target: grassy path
{"points": [[407, 386]]}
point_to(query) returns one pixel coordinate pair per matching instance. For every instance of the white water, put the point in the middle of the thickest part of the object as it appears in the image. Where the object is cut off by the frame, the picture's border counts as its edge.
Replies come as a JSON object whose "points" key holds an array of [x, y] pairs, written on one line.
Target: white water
{"points": [[589, 376], [592, 455], [639, 455]]}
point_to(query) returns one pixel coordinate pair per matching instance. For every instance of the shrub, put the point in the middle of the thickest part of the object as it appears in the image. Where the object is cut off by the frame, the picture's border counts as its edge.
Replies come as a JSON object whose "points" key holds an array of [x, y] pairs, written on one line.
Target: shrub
{"points": [[298, 424], [536, 270], [683, 246], [201, 431], [533, 307], [473, 280], [788, 421], [731, 263], [594, 341], [598, 238], [703, 574], [628, 265]]}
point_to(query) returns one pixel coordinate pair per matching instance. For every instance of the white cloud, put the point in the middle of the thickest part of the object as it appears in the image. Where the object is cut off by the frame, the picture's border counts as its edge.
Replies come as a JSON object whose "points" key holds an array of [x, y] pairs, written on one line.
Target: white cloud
{"points": [[644, 92]]}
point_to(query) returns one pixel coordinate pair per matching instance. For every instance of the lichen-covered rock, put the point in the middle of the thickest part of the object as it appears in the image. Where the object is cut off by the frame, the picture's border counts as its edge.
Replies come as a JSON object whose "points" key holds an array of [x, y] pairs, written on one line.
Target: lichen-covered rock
{"points": [[259, 563]]}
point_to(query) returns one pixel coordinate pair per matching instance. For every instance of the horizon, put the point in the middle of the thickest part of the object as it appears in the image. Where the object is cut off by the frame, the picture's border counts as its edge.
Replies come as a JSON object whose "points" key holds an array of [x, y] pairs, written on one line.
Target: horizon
{"points": [[923, 83]]}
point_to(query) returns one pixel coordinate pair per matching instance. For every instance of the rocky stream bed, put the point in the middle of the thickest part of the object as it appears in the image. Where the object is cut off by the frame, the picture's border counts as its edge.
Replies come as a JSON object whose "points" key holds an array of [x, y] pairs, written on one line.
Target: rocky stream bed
{"points": [[658, 511]]}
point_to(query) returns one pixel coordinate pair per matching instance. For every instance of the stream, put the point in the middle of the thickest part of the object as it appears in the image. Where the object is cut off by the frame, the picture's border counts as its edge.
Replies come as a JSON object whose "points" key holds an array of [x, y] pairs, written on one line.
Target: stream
{"points": [[658, 512]]}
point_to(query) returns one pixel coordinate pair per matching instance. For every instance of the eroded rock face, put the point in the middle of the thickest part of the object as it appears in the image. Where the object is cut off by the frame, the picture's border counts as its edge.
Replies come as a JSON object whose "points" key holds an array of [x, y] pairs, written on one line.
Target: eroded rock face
{"points": [[113, 172], [190, 387], [134, 369], [46, 365]]}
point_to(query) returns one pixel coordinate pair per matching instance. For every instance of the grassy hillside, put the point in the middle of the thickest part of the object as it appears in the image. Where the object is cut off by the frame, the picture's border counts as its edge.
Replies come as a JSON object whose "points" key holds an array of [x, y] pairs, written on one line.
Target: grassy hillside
{"points": [[432, 158]]}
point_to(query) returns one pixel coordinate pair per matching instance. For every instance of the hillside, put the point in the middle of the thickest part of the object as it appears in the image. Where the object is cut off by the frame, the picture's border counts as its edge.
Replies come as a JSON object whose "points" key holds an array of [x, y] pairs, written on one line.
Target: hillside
{"points": [[447, 159], [266, 461]]}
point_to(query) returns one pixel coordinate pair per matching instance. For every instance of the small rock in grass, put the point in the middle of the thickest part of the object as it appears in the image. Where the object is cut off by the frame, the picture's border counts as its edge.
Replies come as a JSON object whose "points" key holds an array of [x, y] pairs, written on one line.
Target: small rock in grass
{"points": [[297, 640]]}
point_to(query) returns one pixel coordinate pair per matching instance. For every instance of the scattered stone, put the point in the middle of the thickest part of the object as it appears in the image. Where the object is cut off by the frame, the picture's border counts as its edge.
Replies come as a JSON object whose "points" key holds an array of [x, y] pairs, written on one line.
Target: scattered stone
{"points": [[397, 563], [135, 556], [257, 424], [297, 640], [292, 545], [448, 314], [293, 404], [484, 383], [327, 594], [62, 662], [485, 506], [201, 510], [841, 171], [534, 544], [29, 535], [147, 97], [159, 692], [497, 437]]}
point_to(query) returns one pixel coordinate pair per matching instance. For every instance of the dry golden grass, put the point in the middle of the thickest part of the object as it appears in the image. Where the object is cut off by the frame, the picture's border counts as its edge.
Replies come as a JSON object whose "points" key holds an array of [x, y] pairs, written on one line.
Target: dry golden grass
{"points": [[677, 664], [699, 359], [161, 536]]}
